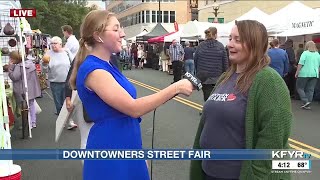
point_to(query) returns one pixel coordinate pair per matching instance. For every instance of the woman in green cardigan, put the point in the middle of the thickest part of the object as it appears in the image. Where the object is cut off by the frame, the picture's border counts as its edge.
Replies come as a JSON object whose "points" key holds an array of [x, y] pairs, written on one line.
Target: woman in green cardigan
{"points": [[250, 108]]}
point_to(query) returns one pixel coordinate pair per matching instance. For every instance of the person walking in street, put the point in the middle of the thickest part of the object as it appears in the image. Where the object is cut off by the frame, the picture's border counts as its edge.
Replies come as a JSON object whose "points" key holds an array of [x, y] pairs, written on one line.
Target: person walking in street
{"points": [[72, 42], [84, 121], [140, 56], [308, 74], [210, 61], [290, 79], [250, 108], [57, 69], [176, 54], [299, 52], [164, 59], [188, 58], [73, 45], [16, 75], [279, 58], [111, 100], [134, 55]]}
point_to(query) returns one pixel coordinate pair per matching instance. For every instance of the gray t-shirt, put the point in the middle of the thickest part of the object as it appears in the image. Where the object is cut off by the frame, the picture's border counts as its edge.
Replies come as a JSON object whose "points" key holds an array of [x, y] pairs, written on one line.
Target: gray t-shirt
{"points": [[224, 128], [58, 66]]}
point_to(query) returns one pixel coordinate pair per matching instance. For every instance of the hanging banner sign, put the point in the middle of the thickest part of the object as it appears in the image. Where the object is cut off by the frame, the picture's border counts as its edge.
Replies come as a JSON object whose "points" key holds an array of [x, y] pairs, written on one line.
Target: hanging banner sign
{"points": [[305, 24]]}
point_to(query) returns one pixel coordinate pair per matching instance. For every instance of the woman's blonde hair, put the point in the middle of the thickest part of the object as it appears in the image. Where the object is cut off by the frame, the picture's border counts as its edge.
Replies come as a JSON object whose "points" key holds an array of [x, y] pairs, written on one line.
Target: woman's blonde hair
{"points": [[311, 46], [94, 21], [254, 39], [16, 56]]}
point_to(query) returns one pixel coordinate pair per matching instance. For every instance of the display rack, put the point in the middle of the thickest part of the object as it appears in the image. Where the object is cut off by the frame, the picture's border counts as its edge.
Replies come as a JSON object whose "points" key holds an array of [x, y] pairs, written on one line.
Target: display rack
{"points": [[17, 46], [8, 169]]}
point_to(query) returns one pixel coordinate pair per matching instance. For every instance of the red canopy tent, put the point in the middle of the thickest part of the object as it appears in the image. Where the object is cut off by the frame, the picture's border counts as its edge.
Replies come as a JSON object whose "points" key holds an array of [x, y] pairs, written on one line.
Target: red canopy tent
{"points": [[159, 38]]}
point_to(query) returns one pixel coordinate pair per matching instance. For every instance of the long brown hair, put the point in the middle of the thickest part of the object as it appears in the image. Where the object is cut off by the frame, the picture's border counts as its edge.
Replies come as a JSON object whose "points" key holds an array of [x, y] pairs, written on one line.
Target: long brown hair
{"points": [[254, 39], [16, 57], [211, 33], [94, 21]]}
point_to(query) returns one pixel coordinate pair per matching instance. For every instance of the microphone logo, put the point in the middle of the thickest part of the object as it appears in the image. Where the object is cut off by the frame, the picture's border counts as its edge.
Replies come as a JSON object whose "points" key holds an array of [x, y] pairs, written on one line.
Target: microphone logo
{"points": [[193, 80]]}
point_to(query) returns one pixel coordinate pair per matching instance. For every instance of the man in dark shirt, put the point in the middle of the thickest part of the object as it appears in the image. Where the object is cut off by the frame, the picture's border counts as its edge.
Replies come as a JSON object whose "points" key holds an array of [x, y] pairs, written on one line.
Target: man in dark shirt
{"points": [[290, 78], [299, 52], [188, 58]]}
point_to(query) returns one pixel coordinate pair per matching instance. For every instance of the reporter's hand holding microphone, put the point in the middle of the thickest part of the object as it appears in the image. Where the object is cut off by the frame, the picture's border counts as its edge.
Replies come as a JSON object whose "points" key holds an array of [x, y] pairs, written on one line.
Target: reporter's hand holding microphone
{"points": [[187, 85], [184, 87]]}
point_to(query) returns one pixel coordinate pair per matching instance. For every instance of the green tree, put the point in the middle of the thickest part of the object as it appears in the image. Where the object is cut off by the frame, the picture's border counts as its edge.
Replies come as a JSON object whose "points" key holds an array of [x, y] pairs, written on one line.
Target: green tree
{"points": [[52, 14]]}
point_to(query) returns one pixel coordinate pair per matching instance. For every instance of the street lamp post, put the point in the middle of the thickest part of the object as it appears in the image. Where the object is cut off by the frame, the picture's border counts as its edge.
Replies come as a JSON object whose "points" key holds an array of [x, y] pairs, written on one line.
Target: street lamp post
{"points": [[159, 13], [216, 7]]}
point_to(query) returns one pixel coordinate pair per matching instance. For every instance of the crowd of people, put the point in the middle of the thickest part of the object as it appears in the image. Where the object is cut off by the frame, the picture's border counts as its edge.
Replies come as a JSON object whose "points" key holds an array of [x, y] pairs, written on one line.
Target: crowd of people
{"points": [[299, 70], [239, 82]]}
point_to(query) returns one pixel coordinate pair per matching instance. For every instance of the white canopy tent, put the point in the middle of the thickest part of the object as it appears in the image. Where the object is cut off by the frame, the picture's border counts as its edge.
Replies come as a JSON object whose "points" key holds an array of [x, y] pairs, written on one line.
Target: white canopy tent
{"points": [[258, 15], [296, 19], [195, 30], [133, 39], [174, 36]]}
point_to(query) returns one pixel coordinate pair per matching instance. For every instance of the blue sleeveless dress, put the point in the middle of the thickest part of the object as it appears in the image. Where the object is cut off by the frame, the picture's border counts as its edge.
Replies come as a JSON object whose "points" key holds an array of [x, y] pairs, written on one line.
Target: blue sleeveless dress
{"points": [[111, 130]]}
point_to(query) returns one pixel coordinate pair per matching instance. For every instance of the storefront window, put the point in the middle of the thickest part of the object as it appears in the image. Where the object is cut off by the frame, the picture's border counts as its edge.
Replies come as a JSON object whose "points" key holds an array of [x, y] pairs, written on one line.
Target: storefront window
{"points": [[147, 16], [165, 16], [133, 19], [142, 16], [153, 16], [172, 16], [137, 18]]}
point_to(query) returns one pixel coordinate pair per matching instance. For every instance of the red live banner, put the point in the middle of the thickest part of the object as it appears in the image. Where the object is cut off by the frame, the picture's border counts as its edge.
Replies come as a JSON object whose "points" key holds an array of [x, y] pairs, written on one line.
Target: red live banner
{"points": [[27, 13]]}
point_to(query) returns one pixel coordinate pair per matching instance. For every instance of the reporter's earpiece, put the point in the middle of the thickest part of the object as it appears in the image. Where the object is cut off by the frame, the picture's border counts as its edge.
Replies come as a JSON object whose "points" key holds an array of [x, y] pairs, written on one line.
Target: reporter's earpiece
{"points": [[100, 39]]}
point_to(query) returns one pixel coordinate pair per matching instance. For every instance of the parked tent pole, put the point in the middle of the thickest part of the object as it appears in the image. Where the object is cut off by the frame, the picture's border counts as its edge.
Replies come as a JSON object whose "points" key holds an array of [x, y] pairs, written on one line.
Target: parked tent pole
{"points": [[22, 51]]}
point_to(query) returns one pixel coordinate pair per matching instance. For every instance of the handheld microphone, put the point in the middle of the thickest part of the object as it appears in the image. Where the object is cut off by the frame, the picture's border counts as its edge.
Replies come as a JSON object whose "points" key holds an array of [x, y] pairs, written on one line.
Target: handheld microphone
{"points": [[194, 80]]}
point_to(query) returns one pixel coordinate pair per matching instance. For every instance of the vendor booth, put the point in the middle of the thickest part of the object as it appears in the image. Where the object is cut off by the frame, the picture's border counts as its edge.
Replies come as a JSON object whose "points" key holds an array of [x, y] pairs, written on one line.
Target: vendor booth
{"points": [[10, 40], [291, 23], [151, 50], [158, 30], [194, 31], [133, 39], [258, 15]]}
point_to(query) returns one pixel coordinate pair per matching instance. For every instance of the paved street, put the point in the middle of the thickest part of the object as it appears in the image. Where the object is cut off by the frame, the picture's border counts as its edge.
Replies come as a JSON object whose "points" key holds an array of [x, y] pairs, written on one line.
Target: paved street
{"points": [[175, 127]]}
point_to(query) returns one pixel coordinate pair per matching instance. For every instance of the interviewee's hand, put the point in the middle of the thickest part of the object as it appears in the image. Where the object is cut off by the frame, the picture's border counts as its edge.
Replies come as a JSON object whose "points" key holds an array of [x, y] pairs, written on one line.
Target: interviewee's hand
{"points": [[69, 104], [184, 87]]}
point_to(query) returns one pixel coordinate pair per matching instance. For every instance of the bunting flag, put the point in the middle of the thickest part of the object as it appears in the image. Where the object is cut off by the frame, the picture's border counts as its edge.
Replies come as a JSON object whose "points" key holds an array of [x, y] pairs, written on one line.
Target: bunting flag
{"points": [[176, 26]]}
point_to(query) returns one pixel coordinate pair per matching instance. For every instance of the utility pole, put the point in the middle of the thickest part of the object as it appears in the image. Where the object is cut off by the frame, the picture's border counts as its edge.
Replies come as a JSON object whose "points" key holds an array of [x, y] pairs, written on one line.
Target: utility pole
{"points": [[159, 15]]}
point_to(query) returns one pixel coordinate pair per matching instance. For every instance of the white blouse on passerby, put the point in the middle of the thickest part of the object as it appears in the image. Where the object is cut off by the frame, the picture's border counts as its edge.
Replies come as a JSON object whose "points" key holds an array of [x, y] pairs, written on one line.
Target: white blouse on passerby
{"points": [[140, 53]]}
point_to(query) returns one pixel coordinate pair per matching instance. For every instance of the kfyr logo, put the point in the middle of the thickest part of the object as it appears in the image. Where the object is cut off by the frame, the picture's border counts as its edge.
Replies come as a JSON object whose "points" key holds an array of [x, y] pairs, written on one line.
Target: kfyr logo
{"points": [[290, 155]]}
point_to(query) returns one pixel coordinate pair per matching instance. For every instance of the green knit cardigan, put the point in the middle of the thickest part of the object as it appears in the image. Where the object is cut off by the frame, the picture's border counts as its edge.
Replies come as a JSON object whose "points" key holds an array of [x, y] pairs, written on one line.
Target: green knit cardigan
{"points": [[267, 126]]}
